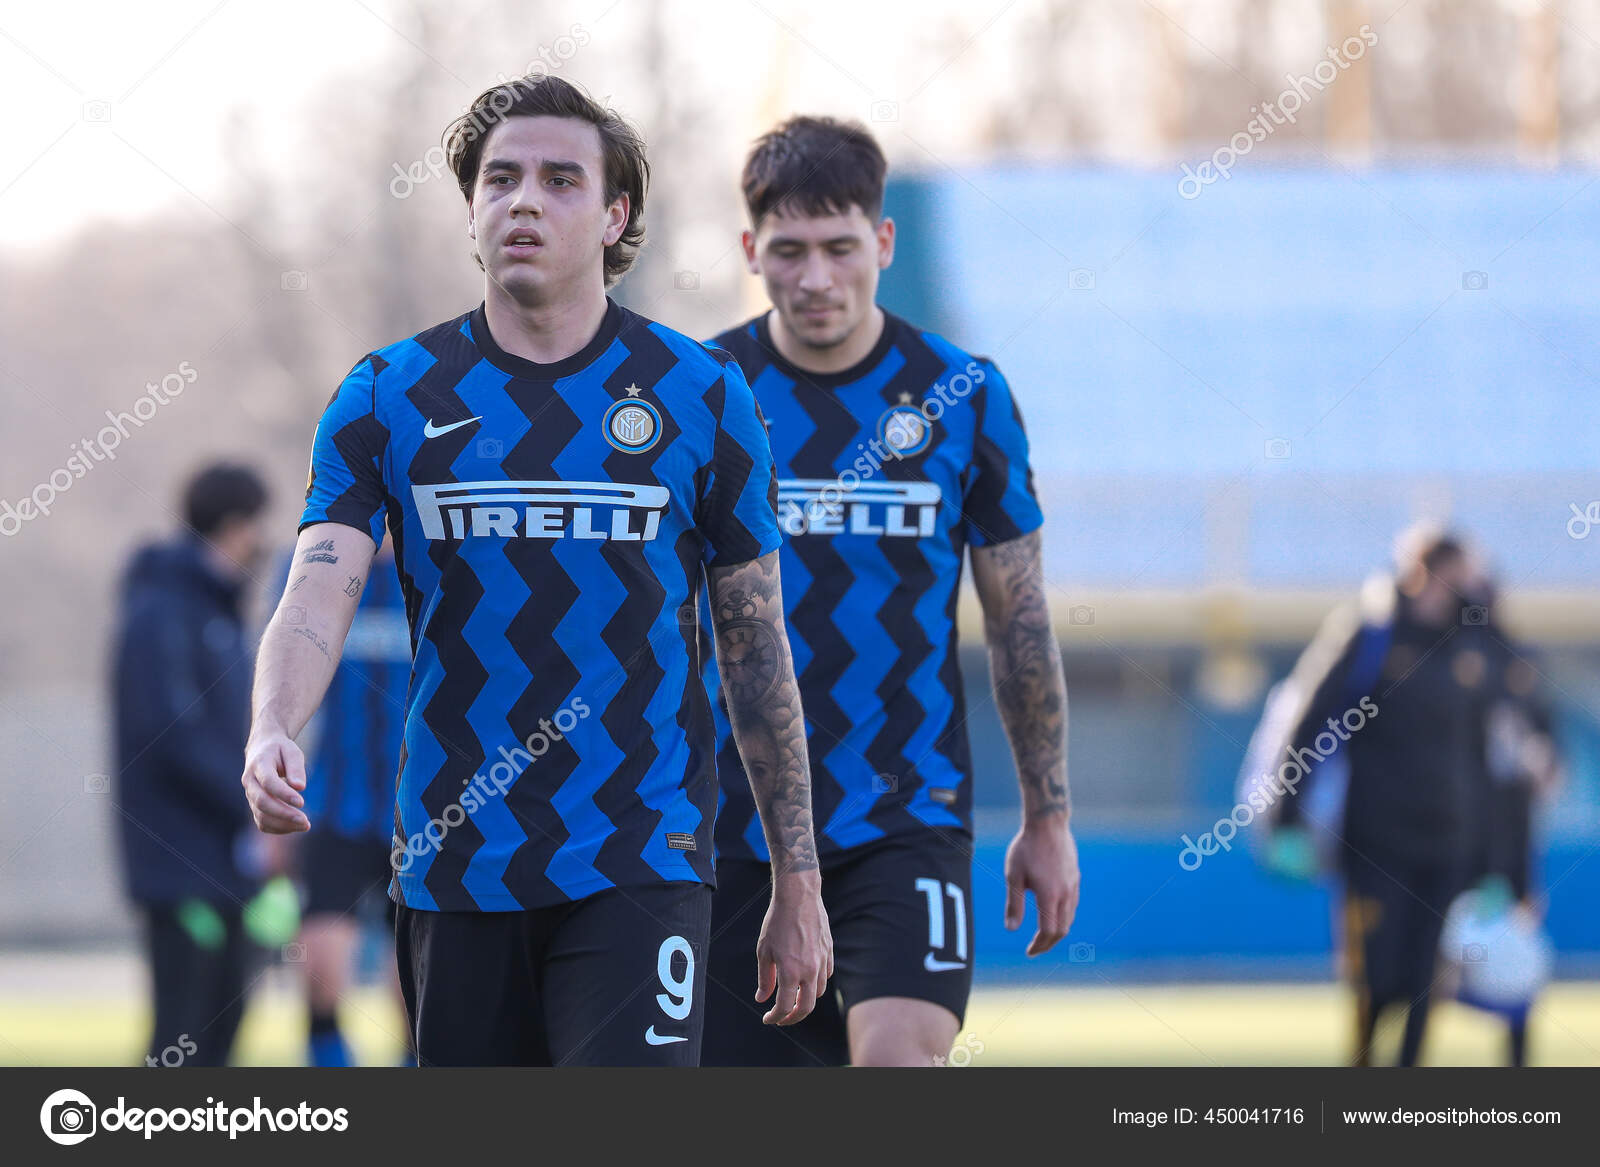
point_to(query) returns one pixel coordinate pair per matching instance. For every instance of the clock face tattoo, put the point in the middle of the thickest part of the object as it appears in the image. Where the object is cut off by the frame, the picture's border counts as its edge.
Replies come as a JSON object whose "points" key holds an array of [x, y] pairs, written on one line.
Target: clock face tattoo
{"points": [[750, 661], [738, 605]]}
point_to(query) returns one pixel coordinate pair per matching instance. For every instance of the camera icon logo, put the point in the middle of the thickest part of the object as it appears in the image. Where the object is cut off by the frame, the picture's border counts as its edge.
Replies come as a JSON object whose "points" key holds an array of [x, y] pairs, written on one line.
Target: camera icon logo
{"points": [[1080, 279], [294, 953], [1474, 953], [68, 1117], [1475, 615], [1081, 953], [96, 784], [686, 281], [1474, 281], [1277, 449], [885, 784], [293, 281], [1080, 614], [885, 111], [492, 449], [98, 110], [294, 614]]}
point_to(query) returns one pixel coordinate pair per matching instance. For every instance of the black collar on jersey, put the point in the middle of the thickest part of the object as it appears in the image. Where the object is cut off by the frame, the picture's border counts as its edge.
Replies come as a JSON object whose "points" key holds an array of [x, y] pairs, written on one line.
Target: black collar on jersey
{"points": [[891, 325], [533, 370]]}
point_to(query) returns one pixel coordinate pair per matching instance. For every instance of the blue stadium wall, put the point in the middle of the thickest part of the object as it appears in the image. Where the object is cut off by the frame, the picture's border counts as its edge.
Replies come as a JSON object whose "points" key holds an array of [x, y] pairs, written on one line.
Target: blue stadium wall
{"points": [[1257, 388]]}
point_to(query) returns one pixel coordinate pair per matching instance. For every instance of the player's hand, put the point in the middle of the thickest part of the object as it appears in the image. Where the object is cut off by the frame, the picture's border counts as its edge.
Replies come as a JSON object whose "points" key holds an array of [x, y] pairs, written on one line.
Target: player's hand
{"points": [[274, 776], [1043, 859], [795, 953]]}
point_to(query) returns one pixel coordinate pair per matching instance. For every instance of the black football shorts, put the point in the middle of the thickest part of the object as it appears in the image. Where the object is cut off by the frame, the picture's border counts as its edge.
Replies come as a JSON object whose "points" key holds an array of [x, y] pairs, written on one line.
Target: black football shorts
{"points": [[615, 979], [900, 912]]}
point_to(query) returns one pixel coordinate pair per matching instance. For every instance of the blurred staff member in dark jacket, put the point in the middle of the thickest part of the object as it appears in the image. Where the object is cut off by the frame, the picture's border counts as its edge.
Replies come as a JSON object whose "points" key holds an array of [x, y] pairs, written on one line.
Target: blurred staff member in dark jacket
{"points": [[181, 689], [1413, 808], [1521, 763], [1499, 955]]}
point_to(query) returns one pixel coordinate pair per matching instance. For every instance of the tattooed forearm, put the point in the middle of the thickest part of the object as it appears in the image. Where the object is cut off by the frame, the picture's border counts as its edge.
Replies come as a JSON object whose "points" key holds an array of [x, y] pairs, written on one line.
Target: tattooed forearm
{"points": [[1025, 662], [764, 706], [353, 588], [320, 642], [296, 585]]}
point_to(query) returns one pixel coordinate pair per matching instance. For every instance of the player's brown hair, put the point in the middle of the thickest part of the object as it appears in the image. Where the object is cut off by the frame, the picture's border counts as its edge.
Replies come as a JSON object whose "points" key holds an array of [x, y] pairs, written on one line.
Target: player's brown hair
{"points": [[621, 146], [814, 166]]}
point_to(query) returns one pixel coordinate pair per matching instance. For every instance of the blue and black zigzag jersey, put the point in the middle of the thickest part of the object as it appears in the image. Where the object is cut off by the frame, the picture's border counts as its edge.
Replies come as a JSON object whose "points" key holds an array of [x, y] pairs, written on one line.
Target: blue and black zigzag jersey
{"points": [[351, 772], [550, 523], [887, 472]]}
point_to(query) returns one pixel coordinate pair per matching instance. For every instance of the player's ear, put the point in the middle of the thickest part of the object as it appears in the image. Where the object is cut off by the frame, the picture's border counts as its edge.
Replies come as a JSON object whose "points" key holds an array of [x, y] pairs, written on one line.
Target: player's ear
{"points": [[747, 240], [617, 218], [472, 227], [885, 235]]}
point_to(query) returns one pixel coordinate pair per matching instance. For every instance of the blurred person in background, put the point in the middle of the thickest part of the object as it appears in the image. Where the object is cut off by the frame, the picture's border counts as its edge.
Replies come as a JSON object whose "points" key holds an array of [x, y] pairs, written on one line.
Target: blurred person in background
{"points": [[1494, 946], [180, 682], [1394, 688], [344, 866]]}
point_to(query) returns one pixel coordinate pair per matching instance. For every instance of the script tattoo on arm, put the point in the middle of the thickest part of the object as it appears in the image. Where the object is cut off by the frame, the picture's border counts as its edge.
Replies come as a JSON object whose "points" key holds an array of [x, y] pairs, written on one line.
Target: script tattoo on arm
{"points": [[353, 588], [1025, 662], [320, 553], [763, 700], [320, 642]]}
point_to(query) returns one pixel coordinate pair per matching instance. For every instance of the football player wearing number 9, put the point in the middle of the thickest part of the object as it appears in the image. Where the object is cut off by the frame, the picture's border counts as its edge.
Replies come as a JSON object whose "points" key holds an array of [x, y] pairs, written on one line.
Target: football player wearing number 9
{"points": [[558, 475], [897, 453]]}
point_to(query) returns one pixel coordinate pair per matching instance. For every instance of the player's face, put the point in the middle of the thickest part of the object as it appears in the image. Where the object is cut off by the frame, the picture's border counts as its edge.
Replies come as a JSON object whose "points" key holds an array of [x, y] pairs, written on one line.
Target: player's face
{"points": [[821, 272], [539, 212]]}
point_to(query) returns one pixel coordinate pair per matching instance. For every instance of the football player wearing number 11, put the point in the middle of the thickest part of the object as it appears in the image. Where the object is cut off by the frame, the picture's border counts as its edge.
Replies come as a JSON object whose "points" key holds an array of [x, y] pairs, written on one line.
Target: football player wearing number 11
{"points": [[558, 475], [897, 454]]}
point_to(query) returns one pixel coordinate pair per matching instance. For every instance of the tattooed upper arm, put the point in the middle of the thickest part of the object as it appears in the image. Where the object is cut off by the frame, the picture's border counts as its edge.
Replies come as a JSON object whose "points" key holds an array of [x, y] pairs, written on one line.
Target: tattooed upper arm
{"points": [[318, 603], [747, 614], [1010, 577]]}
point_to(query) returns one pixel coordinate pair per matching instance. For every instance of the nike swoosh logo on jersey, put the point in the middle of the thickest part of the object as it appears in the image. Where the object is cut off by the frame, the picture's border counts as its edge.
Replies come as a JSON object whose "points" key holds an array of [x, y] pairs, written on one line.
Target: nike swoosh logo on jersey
{"points": [[429, 430], [654, 1038], [933, 964]]}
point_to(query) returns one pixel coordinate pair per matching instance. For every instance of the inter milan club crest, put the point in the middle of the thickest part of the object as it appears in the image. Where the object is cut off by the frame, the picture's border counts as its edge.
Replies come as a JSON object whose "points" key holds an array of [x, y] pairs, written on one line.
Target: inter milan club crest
{"points": [[632, 424], [903, 429]]}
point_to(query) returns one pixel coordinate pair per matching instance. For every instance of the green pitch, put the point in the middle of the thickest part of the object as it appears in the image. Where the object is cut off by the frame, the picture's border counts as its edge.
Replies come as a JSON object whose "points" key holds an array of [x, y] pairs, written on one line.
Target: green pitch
{"points": [[1205, 1025]]}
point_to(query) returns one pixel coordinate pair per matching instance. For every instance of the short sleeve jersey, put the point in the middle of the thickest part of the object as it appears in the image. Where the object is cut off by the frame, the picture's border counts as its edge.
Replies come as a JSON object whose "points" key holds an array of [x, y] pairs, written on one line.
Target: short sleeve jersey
{"points": [[888, 472], [552, 524]]}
